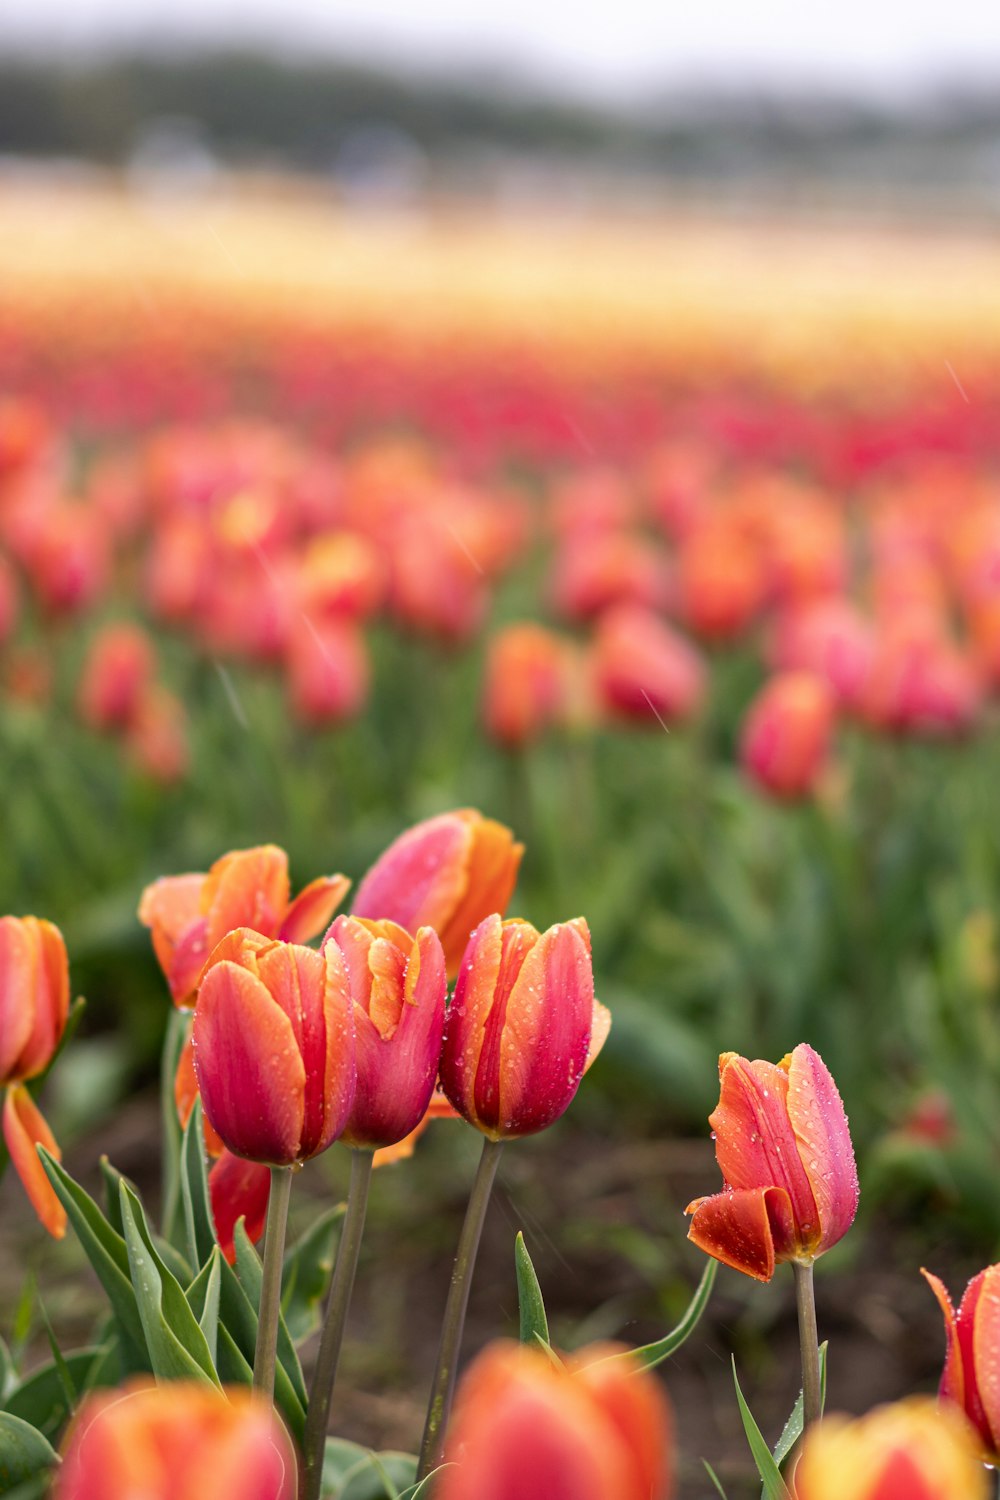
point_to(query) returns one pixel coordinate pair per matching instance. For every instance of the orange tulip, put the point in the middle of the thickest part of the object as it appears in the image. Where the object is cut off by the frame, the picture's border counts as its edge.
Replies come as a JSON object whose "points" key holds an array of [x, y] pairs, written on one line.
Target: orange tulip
{"points": [[190, 914], [177, 1441], [525, 1428], [912, 1450], [273, 1047], [34, 1005], [784, 1150], [525, 682], [448, 873], [969, 1380], [786, 734]]}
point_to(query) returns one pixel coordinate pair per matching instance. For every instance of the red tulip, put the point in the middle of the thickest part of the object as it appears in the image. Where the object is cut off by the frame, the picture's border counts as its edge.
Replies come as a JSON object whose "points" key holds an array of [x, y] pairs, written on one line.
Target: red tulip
{"points": [[398, 987], [969, 1380], [523, 1026], [784, 1150], [176, 1441], [642, 669], [447, 873], [273, 1045], [786, 734], [190, 914], [909, 1451], [524, 1427], [34, 1005]]}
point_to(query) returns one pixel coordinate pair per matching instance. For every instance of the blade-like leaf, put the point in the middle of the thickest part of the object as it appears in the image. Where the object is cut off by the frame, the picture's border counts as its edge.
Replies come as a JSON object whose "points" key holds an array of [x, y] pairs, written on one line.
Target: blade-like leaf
{"points": [[198, 1223], [306, 1275], [250, 1272], [774, 1486], [177, 1347], [714, 1477], [531, 1308], [108, 1255], [178, 1026], [654, 1354], [425, 1489], [24, 1452], [237, 1341], [378, 1476], [41, 1399], [66, 1380], [203, 1299], [8, 1374], [792, 1430]]}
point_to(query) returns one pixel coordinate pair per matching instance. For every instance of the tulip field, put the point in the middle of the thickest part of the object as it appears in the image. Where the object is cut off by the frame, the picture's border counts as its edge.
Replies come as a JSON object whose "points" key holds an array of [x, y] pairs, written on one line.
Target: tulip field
{"points": [[499, 688]]}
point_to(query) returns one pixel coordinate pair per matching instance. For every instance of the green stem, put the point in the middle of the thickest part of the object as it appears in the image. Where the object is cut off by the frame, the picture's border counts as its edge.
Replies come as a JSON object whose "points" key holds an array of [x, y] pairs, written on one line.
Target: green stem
{"points": [[341, 1286], [443, 1389], [805, 1302], [270, 1290]]}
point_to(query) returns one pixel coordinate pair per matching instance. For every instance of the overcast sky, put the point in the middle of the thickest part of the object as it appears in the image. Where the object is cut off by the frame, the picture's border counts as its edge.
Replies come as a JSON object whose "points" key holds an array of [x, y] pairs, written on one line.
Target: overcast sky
{"points": [[617, 49]]}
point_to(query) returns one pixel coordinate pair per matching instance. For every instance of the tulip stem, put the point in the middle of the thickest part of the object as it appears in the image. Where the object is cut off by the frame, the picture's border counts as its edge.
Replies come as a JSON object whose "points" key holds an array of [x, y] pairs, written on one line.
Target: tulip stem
{"points": [[338, 1302], [270, 1290], [443, 1389], [805, 1301]]}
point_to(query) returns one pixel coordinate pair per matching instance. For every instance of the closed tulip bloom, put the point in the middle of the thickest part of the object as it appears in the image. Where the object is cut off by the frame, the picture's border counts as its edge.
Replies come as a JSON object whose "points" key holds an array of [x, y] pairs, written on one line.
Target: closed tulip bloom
{"points": [[786, 734], [969, 1380], [273, 1046], [784, 1150], [34, 1005], [525, 686], [117, 675], [448, 873], [398, 989], [523, 1026], [524, 1427], [190, 914], [644, 670], [912, 1450], [178, 1441]]}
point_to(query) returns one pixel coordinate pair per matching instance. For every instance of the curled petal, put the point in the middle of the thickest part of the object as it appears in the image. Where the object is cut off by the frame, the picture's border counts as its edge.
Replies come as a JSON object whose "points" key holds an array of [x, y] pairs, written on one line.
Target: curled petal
{"points": [[491, 875], [953, 1382], [820, 1124], [247, 888], [313, 907], [599, 1029], [24, 1128], [985, 1330], [421, 877], [748, 1229]]}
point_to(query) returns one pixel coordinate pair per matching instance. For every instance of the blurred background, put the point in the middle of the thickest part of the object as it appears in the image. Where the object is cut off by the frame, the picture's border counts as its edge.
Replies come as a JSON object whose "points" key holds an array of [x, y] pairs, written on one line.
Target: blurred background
{"points": [[410, 407]]}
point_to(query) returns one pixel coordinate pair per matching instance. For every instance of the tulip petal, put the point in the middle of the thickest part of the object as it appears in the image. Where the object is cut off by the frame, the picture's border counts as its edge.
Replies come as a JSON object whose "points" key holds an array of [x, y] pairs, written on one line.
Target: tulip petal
{"points": [[491, 875], [24, 1128], [169, 907], [985, 1327], [422, 875], [249, 1069], [49, 1005], [17, 997], [437, 1109], [186, 1095], [296, 977], [238, 1189], [247, 888], [468, 1015], [599, 1031], [747, 1229], [952, 1386], [313, 907], [637, 1408], [820, 1124]]}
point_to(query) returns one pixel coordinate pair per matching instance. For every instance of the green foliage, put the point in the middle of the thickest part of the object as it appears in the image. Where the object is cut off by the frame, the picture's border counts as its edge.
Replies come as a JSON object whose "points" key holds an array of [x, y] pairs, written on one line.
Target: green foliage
{"points": [[534, 1327], [774, 1486], [24, 1453]]}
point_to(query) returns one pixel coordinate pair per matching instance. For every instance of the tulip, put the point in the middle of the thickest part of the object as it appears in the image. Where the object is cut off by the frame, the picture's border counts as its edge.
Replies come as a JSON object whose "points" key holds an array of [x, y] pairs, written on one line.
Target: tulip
{"points": [[969, 1380], [525, 1427], [34, 1006], [523, 1026], [786, 734], [156, 740], [784, 1150], [591, 575], [525, 684], [644, 670], [175, 1442], [448, 873], [398, 988], [327, 669], [912, 1450], [721, 581], [341, 576], [273, 1047], [190, 914], [832, 639], [117, 675]]}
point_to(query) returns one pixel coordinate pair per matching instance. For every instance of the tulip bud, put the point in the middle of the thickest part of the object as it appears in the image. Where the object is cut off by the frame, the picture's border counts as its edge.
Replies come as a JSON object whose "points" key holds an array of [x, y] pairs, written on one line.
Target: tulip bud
{"points": [[117, 675], [784, 1150], [190, 914], [525, 1427], [448, 873], [175, 1442], [398, 988], [327, 669], [273, 1044], [644, 670], [34, 1005], [786, 734], [525, 684], [523, 1026], [969, 1379], [912, 1449]]}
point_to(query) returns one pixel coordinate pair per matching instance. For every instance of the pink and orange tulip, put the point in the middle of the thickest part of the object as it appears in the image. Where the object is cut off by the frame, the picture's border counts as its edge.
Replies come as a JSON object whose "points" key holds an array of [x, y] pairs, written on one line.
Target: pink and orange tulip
{"points": [[525, 684], [643, 670], [785, 1153], [175, 1442], [786, 734], [34, 1006], [190, 914], [523, 1026], [448, 873], [587, 1431], [117, 675], [969, 1379], [398, 989], [909, 1451], [273, 1047]]}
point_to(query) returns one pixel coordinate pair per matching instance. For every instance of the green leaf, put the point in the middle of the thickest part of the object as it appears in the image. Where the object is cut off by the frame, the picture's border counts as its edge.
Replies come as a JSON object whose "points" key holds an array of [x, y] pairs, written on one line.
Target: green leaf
{"points": [[774, 1486], [714, 1477], [198, 1222], [237, 1341], [177, 1347], [340, 1456], [62, 1369], [8, 1374], [178, 1026], [108, 1255], [424, 1489], [306, 1275], [792, 1430], [251, 1275], [378, 1476], [24, 1452], [654, 1354], [112, 1193], [203, 1299], [41, 1399], [534, 1324]]}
